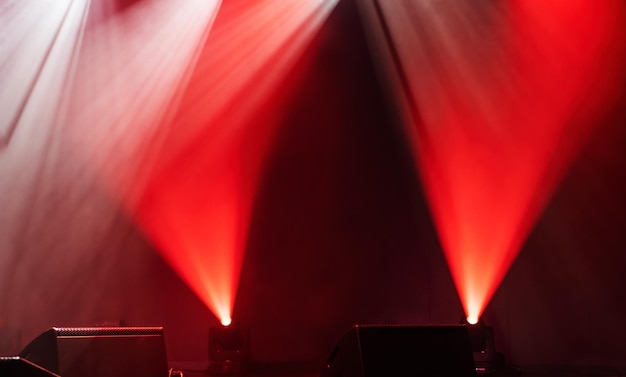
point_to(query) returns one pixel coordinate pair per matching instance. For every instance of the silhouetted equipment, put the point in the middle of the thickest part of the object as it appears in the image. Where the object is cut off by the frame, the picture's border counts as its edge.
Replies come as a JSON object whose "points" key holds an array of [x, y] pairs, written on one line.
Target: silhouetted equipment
{"points": [[486, 359], [19, 367], [100, 351], [229, 349], [398, 351]]}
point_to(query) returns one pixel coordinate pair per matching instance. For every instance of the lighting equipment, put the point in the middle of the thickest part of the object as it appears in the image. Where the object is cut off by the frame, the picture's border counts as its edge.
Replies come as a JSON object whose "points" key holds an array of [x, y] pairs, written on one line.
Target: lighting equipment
{"points": [[229, 349], [402, 351], [100, 351], [486, 359]]}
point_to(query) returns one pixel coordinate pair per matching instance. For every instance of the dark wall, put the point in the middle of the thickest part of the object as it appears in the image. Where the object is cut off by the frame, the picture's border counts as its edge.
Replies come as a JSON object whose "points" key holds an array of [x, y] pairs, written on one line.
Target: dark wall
{"points": [[341, 234], [561, 302]]}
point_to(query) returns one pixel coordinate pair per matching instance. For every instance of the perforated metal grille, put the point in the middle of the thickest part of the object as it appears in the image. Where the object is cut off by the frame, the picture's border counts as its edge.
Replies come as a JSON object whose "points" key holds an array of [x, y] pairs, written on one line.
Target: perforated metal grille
{"points": [[102, 331]]}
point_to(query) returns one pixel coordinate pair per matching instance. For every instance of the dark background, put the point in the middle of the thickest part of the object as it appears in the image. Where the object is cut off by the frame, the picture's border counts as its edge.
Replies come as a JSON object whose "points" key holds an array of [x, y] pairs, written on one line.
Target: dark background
{"points": [[340, 234]]}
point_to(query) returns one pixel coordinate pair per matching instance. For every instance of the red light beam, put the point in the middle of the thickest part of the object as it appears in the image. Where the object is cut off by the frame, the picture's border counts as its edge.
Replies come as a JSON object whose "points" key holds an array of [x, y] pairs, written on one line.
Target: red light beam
{"points": [[172, 108], [196, 205], [128, 71], [506, 95], [127, 74]]}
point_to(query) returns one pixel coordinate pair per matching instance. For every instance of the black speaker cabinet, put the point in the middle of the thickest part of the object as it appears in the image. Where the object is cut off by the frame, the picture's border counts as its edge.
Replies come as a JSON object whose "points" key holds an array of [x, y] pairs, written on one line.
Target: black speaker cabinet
{"points": [[18, 367], [100, 352], [402, 351]]}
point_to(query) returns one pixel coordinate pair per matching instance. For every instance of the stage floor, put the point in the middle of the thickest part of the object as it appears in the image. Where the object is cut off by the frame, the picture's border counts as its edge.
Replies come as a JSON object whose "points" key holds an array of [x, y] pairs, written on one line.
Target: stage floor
{"points": [[548, 371]]}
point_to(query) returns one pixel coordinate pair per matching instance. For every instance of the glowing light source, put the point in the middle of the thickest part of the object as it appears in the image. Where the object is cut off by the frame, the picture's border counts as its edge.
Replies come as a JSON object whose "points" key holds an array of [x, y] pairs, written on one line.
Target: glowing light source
{"points": [[472, 320], [498, 98], [226, 321]]}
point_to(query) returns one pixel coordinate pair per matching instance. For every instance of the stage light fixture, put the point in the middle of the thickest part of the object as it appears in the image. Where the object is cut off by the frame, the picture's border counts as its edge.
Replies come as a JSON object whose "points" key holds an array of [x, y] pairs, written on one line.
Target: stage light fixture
{"points": [[487, 361], [229, 349]]}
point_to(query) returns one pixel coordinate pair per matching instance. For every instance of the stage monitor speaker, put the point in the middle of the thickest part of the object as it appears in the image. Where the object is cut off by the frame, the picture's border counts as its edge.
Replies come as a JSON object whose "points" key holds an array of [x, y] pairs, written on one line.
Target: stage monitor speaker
{"points": [[402, 351], [18, 367], [100, 351]]}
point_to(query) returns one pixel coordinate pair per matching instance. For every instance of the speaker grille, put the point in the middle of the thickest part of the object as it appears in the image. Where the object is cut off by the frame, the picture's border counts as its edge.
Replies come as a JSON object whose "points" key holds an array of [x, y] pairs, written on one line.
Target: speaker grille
{"points": [[104, 331]]}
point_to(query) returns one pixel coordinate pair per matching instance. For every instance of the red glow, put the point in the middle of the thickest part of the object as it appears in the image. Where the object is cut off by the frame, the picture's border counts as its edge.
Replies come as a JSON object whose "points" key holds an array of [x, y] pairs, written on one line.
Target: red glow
{"points": [[504, 109], [178, 96], [196, 205]]}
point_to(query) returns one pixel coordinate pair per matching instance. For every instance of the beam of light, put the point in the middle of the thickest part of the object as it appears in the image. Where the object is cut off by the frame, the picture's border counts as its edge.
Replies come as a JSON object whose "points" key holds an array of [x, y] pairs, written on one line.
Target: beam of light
{"points": [[87, 83], [128, 74], [37, 41], [499, 97], [197, 203], [32, 35], [125, 74]]}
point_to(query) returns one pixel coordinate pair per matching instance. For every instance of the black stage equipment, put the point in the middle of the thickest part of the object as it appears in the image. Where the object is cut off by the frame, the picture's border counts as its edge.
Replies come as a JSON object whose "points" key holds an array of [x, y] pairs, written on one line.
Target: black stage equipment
{"points": [[487, 360], [18, 367], [229, 349], [402, 351], [100, 351]]}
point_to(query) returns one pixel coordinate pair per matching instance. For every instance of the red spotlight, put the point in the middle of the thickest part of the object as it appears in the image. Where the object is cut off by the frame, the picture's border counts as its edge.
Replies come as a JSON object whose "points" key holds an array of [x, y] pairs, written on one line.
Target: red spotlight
{"points": [[197, 202], [498, 102], [180, 99]]}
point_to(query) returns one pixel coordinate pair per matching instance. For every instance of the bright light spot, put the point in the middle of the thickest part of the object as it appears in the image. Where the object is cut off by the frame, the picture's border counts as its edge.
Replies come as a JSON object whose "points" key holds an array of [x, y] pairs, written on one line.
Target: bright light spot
{"points": [[226, 321], [472, 320]]}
